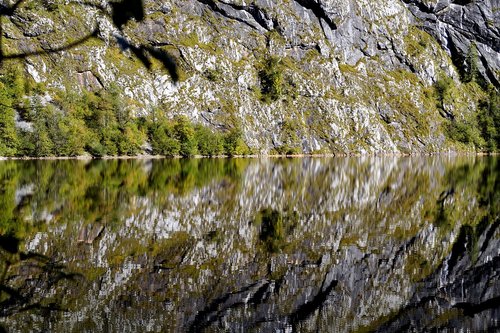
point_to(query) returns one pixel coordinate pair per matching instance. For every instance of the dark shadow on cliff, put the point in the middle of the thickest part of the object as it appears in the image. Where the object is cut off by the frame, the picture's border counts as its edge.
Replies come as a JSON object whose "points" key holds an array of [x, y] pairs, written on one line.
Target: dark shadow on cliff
{"points": [[307, 309], [251, 294]]}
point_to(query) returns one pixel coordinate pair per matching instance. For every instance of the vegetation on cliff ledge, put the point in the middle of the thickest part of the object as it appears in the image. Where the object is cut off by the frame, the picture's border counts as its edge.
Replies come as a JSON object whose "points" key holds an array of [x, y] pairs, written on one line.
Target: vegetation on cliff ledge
{"points": [[97, 123]]}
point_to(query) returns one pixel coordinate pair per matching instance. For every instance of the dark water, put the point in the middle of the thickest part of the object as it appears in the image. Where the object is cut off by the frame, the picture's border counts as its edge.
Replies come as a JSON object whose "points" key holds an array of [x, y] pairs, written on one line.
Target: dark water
{"points": [[273, 245]]}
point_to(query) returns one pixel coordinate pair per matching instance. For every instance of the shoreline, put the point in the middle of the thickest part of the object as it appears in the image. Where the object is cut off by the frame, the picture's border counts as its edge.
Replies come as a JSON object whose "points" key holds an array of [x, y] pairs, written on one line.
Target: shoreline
{"points": [[253, 156]]}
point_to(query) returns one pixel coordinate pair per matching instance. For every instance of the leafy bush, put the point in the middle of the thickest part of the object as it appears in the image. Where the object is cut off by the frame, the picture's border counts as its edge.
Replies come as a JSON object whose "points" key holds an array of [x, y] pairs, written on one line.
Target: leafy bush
{"points": [[287, 150], [471, 71], [8, 135], [72, 137], [96, 148], [185, 134], [291, 141], [271, 79], [132, 140], [213, 75], [442, 86], [459, 131], [163, 141], [481, 129], [98, 123], [489, 120], [234, 144], [209, 143]]}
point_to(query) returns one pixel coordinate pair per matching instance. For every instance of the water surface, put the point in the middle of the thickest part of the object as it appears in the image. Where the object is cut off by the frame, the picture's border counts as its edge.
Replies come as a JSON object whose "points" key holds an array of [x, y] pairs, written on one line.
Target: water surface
{"points": [[383, 244]]}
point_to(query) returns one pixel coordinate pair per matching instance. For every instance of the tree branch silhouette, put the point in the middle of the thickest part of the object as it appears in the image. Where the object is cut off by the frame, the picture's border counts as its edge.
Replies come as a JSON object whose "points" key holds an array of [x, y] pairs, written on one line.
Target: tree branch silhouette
{"points": [[27, 296], [54, 50], [121, 13]]}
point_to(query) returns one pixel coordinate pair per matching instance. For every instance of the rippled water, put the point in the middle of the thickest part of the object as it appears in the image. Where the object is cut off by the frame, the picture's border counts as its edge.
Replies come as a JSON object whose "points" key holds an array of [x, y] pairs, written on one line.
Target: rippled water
{"points": [[383, 244]]}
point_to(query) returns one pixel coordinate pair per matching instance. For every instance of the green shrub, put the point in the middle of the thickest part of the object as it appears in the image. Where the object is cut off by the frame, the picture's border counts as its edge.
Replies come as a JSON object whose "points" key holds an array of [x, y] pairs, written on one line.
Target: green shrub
{"points": [[163, 141], [8, 133], [131, 140], [72, 137], [291, 141], [209, 143], [98, 123], [26, 146], [442, 86], [271, 79], [43, 145], [459, 131], [213, 75], [489, 120], [234, 144], [96, 148], [185, 134], [471, 71], [287, 150]]}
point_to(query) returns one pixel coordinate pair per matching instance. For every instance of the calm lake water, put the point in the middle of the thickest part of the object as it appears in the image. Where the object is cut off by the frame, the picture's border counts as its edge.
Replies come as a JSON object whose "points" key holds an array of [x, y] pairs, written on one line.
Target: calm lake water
{"points": [[385, 244]]}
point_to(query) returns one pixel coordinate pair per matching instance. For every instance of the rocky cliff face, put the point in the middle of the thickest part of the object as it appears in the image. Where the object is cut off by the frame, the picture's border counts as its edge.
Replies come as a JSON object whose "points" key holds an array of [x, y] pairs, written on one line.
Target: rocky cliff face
{"points": [[457, 24], [317, 75]]}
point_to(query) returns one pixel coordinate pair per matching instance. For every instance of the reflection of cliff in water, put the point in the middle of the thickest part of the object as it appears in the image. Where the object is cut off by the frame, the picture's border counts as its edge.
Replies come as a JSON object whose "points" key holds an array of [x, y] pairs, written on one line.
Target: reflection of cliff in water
{"points": [[303, 245]]}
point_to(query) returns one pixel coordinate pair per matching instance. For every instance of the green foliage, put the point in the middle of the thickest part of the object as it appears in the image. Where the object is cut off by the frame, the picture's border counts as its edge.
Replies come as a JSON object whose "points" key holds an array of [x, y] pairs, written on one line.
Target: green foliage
{"points": [[479, 129], [271, 79], [442, 87], [98, 123], [471, 71], [489, 120], [213, 75], [118, 106], [180, 137], [43, 127], [185, 134], [459, 131], [132, 140], [162, 139], [290, 139], [234, 144], [12, 78], [11, 96], [210, 143], [8, 135], [287, 150], [274, 227], [72, 136]]}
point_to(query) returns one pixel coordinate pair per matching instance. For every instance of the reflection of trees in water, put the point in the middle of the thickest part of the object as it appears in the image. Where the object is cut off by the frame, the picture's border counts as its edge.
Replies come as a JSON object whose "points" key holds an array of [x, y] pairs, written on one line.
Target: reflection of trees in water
{"points": [[318, 194], [275, 226], [34, 194], [482, 179], [462, 292]]}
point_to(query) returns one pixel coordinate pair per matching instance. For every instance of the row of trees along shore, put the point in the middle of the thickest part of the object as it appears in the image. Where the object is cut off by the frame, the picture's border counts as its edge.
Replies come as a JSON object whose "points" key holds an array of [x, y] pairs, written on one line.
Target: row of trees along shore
{"points": [[97, 123]]}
